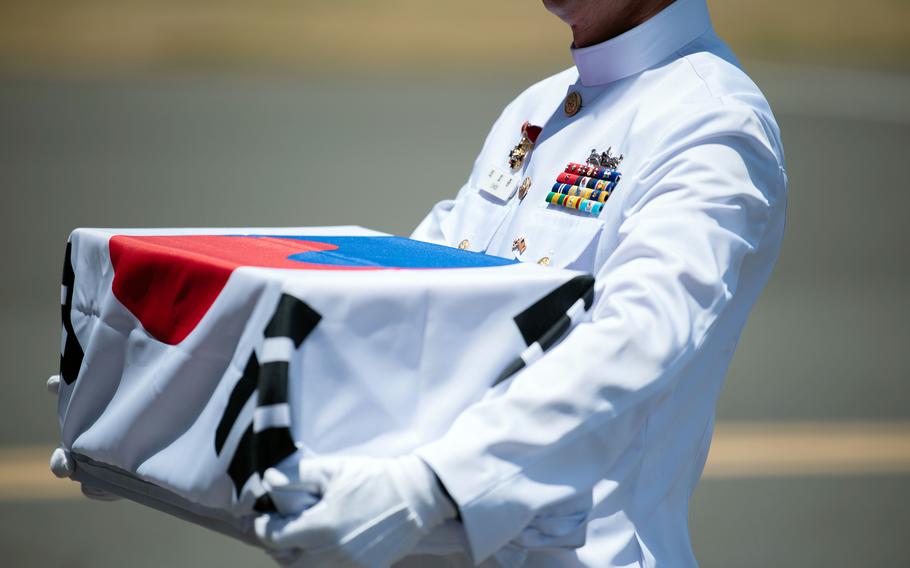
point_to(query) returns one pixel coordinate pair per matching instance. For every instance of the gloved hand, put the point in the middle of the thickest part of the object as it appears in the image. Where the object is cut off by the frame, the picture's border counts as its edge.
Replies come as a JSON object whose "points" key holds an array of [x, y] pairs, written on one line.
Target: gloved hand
{"points": [[62, 462], [371, 513]]}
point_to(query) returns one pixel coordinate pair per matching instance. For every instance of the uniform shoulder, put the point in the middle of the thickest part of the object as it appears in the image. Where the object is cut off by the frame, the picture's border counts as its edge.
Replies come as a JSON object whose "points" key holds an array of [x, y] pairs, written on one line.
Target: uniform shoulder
{"points": [[707, 86], [719, 73]]}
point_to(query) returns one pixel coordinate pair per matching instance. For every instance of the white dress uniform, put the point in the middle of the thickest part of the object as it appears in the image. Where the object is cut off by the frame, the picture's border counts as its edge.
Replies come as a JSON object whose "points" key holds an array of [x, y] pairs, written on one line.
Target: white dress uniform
{"points": [[683, 247]]}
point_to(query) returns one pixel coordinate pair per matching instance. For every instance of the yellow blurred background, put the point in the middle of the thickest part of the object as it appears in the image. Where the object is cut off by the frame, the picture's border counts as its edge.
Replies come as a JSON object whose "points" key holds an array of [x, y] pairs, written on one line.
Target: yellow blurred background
{"points": [[370, 36]]}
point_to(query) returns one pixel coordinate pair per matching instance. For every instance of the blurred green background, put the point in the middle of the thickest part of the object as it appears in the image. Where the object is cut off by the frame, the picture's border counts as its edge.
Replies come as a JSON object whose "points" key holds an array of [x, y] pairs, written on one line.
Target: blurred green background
{"points": [[229, 113]]}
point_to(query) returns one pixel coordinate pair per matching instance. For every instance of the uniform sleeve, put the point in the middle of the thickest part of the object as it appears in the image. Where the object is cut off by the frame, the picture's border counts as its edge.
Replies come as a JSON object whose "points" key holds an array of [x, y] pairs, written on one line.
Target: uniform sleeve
{"points": [[695, 211], [429, 230]]}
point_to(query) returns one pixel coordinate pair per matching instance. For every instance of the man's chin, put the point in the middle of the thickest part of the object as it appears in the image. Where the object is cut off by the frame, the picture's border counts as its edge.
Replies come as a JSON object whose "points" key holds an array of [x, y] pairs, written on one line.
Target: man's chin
{"points": [[562, 8]]}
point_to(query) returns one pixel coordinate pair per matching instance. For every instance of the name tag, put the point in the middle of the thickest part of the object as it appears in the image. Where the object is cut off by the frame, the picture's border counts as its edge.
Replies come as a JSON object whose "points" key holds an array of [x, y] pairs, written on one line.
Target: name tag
{"points": [[498, 183]]}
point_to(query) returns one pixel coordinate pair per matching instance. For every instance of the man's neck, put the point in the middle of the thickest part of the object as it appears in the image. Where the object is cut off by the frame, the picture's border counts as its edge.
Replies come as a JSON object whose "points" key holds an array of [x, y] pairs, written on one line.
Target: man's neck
{"points": [[611, 19]]}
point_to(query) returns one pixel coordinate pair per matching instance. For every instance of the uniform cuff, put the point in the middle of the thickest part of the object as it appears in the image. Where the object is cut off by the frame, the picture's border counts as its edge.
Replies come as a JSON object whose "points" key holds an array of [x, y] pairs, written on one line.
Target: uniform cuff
{"points": [[420, 489], [490, 520]]}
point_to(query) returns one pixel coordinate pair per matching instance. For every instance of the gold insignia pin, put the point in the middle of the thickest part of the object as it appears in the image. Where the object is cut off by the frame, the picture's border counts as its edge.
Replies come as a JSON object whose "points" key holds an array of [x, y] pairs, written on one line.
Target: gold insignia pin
{"points": [[524, 187], [529, 134], [519, 245], [572, 104]]}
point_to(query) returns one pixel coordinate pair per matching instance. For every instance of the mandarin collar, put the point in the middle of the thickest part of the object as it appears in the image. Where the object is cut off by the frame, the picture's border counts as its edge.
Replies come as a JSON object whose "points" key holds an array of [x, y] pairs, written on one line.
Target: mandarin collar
{"points": [[643, 46]]}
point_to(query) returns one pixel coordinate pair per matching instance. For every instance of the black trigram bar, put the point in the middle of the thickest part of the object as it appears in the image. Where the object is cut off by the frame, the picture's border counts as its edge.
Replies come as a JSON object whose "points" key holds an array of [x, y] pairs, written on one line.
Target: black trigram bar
{"points": [[242, 465], [541, 316], [242, 392], [548, 319], [293, 319], [273, 383], [264, 445], [72, 355]]}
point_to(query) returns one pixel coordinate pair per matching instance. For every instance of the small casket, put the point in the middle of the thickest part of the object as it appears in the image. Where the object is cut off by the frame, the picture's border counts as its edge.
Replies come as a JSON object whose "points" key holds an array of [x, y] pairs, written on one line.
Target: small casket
{"points": [[192, 360]]}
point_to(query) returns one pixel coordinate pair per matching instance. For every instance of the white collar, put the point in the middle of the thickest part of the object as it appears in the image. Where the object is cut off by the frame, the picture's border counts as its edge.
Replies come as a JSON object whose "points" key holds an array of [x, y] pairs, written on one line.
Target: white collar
{"points": [[643, 46]]}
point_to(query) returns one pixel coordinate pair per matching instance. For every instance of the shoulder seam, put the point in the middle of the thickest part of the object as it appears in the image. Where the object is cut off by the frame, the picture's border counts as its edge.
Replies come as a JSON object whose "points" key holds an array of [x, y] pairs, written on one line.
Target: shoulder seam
{"points": [[725, 101], [704, 82]]}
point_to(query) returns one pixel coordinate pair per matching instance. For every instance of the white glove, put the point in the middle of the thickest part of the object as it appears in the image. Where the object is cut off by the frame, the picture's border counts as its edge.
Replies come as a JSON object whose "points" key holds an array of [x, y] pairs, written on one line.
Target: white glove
{"points": [[372, 512], [53, 384], [62, 463]]}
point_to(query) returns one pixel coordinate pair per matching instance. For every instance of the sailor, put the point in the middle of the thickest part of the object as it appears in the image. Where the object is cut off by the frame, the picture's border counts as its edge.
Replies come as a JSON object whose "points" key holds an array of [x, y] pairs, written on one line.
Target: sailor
{"points": [[681, 245]]}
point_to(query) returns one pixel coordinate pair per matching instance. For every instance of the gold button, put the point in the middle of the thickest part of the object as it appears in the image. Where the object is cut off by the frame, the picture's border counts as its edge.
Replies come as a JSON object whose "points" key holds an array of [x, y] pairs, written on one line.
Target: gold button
{"points": [[464, 244], [573, 103], [519, 245], [544, 260], [524, 187]]}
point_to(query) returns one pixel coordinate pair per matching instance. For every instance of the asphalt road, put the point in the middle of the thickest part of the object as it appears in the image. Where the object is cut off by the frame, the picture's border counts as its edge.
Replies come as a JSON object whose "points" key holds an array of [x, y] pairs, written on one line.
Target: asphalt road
{"points": [[827, 341]]}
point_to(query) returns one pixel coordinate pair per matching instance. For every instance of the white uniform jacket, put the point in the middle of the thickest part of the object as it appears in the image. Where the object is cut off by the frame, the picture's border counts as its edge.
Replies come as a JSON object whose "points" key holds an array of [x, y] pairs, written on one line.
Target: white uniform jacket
{"points": [[625, 403]]}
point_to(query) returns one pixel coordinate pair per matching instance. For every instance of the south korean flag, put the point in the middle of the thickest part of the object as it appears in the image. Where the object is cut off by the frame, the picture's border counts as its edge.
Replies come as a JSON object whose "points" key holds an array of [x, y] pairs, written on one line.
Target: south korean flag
{"points": [[193, 360]]}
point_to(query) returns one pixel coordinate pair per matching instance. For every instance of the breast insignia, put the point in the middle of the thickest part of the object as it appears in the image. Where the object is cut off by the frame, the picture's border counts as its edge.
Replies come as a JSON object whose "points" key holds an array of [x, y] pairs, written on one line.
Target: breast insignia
{"points": [[519, 245], [529, 134], [572, 104], [586, 187], [608, 161], [524, 187]]}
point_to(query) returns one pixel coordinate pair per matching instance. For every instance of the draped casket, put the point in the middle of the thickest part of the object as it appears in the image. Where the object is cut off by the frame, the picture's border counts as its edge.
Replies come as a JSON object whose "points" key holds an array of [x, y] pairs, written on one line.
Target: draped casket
{"points": [[192, 360]]}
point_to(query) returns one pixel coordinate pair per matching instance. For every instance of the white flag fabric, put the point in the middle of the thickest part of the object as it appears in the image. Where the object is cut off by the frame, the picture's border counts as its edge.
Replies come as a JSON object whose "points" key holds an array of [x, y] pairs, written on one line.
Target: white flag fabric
{"points": [[194, 359]]}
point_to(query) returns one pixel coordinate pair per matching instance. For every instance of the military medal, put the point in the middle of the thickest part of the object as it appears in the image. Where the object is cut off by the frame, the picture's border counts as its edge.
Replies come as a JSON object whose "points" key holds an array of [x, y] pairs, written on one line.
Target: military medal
{"points": [[575, 202], [529, 134], [519, 245], [598, 176], [586, 187], [572, 104], [583, 192], [524, 187], [604, 159]]}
